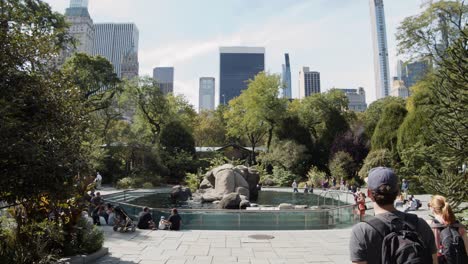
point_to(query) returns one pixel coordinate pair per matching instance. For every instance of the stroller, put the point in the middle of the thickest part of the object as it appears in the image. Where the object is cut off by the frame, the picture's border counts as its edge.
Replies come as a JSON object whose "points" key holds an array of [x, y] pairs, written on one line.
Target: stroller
{"points": [[123, 222]]}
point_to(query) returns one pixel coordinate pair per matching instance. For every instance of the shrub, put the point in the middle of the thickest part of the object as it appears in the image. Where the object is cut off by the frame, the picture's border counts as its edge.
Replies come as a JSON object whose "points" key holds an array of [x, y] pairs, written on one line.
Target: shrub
{"points": [[147, 185], [125, 183], [91, 238], [192, 180], [316, 176], [282, 177], [342, 165], [376, 158]]}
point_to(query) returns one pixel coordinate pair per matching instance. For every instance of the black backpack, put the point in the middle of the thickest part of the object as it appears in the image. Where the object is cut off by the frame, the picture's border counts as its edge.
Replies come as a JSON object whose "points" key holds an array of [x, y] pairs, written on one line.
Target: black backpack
{"points": [[401, 244], [452, 247]]}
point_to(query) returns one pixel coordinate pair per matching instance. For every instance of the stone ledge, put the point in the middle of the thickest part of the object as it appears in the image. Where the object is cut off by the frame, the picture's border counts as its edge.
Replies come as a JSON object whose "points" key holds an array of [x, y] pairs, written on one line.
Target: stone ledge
{"points": [[84, 259]]}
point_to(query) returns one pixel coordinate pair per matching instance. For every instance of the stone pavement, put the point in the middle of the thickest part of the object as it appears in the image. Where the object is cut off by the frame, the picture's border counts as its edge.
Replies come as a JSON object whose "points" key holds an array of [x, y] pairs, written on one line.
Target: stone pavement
{"points": [[201, 246], [196, 246]]}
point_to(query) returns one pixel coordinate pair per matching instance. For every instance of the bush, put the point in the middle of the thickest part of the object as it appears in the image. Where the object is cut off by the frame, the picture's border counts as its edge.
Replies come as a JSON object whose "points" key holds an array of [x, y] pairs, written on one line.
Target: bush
{"points": [[342, 165], [125, 183], [91, 238], [192, 180], [147, 185], [35, 243], [282, 177], [316, 176]]}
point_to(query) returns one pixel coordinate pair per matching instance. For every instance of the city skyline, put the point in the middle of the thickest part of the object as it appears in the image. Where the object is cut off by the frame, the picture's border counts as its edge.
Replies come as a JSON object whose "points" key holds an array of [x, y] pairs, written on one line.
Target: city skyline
{"points": [[343, 55]]}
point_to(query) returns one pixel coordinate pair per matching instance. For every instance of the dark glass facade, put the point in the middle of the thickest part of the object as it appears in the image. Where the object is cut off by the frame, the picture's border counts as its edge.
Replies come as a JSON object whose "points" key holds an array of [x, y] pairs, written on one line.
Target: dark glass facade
{"points": [[235, 70]]}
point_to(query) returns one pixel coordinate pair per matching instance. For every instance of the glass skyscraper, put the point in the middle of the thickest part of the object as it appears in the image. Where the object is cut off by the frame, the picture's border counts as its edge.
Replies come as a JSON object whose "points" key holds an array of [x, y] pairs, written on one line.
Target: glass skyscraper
{"points": [[118, 43], [164, 77], [379, 38], [286, 78], [237, 66], [206, 99]]}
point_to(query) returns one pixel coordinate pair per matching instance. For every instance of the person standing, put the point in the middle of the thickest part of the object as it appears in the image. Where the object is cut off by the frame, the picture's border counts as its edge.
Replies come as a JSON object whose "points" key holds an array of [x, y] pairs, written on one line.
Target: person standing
{"points": [[98, 180], [404, 188], [447, 229], [366, 244], [294, 186], [306, 188]]}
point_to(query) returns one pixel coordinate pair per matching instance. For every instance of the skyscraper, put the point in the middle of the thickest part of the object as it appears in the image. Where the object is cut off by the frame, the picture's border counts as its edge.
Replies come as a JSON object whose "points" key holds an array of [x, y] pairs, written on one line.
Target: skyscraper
{"points": [[206, 99], [119, 44], [81, 29], [414, 72], [286, 77], [79, 3], [356, 99], [309, 82], [237, 66], [164, 77], [379, 38]]}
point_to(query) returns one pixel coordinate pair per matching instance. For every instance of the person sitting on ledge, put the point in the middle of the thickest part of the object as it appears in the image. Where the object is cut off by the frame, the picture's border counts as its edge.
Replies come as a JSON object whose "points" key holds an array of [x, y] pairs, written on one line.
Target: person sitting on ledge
{"points": [[145, 221], [174, 220]]}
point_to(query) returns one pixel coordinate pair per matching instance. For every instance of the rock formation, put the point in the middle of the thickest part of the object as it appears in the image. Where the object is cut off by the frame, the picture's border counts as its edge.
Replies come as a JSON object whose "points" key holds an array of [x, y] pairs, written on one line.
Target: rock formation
{"points": [[233, 185]]}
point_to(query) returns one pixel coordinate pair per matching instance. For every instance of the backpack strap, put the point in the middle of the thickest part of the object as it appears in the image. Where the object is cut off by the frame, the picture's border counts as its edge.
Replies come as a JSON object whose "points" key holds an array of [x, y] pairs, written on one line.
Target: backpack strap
{"points": [[410, 220], [380, 226]]}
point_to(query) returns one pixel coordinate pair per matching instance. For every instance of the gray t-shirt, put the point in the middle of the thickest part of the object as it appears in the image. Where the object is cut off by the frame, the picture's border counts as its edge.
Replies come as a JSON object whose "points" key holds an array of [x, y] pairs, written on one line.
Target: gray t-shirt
{"points": [[366, 243]]}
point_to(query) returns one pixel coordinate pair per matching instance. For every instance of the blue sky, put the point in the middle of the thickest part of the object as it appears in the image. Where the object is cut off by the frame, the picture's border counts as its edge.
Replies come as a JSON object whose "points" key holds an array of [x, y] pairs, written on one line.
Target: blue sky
{"points": [[330, 36]]}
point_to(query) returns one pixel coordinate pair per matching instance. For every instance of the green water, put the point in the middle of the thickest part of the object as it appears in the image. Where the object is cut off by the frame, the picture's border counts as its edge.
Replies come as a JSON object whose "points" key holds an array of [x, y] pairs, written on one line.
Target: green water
{"points": [[202, 219], [265, 198]]}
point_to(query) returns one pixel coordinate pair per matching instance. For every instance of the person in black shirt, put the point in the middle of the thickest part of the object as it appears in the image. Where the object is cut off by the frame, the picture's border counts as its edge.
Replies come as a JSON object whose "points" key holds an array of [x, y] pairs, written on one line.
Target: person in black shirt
{"points": [[174, 220], [145, 221]]}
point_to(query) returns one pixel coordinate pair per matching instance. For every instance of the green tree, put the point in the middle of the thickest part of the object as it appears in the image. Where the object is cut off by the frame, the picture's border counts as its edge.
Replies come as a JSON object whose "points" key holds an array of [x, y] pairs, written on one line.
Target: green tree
{"points": [[256, 112], [430, 33], [42, 120], [376, 158], [262, 100], [210, 129], [375, 110], [342, 165], [385, 134], [288, 155], [324, 116], [95, 78], [175, 138]]}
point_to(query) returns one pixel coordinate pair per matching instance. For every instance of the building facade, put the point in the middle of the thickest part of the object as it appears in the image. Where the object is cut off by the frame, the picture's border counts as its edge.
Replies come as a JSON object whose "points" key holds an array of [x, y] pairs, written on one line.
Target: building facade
{"points": [[237, 66], [414, 72], [379, 39], [286, 78], [356, 98], [206, 98], [164, 77], [309, 82], [118, 43], [81, 29], [399, 89]]}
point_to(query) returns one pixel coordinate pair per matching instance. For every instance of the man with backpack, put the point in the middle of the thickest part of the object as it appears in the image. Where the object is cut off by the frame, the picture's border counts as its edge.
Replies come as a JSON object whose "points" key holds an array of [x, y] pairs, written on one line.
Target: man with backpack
{"points": [[391, 236]]}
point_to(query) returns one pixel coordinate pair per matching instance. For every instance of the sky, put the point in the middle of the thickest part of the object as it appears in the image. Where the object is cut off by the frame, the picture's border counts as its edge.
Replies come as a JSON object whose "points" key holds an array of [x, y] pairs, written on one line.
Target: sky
{"points": [[329, 36]]}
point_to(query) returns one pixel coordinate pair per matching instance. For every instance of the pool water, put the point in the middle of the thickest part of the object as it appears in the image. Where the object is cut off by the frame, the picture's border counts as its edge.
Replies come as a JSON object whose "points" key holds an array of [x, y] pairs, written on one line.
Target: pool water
{"points": [[265, 199]]}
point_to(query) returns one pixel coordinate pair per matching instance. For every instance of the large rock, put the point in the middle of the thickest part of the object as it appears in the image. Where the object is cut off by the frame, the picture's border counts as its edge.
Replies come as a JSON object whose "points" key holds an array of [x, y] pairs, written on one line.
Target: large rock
{"points": [[180, 193], [244, 204], [253, 178], [211, 196], [205, 184], [230, 201], [225, 182], [243, 191]]}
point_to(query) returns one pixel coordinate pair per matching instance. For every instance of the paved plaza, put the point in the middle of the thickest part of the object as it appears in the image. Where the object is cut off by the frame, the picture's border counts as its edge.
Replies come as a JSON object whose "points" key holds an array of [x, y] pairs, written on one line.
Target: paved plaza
{"points": [[170, 247]]}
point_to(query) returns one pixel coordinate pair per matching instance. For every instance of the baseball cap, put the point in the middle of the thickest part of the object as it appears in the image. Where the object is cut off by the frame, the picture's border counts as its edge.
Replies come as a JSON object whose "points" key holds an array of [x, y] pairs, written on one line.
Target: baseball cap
{"points": [[162, 217], [382, 176]]}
